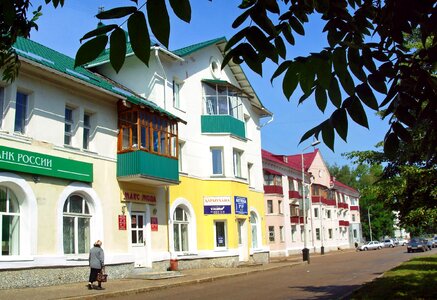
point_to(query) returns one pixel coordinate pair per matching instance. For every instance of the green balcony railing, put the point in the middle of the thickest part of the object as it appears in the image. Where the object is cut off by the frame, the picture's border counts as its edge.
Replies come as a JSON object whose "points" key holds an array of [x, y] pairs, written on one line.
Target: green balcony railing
{"points": [[141, 164], [223, 124]]}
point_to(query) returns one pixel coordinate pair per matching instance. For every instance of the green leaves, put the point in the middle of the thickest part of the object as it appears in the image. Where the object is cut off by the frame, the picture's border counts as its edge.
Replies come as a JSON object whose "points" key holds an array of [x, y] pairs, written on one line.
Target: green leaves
{"points": [[290, 81], [182, 9], [139, 36], [356, 111], [117, 52], [366, 95], [116, 13], [159, 21], [90, 50]]}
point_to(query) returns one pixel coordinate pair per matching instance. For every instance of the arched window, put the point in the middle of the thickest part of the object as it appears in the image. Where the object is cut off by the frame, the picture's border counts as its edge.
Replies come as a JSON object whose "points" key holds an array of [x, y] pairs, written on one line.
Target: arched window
{"points": [[254, 227], [76, 225], [9, 222], [180, 229]]}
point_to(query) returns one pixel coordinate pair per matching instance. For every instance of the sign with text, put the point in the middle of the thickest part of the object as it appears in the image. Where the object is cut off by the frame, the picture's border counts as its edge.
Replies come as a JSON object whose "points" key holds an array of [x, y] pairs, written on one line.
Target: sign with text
{"points": [[240, 205], [139, 197], [121, 222], [42, 164], [154, 223], [216, 205]]}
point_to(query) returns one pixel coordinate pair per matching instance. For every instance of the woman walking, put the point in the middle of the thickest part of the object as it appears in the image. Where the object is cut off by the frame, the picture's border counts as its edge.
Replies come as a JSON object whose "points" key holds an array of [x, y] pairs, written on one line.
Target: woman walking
{"points": [[97, 263]]}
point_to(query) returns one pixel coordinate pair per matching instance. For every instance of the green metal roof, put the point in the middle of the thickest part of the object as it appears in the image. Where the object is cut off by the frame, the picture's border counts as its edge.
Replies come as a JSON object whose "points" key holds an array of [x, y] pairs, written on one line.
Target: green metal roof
{"points": [[193, 48], [62, 63]]}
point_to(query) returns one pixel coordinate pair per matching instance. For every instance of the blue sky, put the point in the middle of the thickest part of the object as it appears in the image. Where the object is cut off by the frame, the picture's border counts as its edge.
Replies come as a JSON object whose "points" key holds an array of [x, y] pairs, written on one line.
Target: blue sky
{"points": [[61, 29]]}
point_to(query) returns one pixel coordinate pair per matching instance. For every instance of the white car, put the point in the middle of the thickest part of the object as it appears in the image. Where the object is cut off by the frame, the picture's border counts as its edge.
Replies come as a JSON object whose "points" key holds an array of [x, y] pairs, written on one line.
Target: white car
{"points": [[372, 245], [402, 242]]}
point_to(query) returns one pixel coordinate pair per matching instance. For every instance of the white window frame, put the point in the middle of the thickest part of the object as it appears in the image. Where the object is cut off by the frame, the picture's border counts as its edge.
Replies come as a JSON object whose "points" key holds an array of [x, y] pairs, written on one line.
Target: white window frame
{"points": [[7, 213], [270, 209], [177, 85], [213, 161], [293, 233], [281, 234], [280, 204], [318, 234], [249, 174], [24, 112], [316, 212], [185, 221], [237, 156], [225, 247], [68, 122], [86, 131], [76, 217], [181, 155]]}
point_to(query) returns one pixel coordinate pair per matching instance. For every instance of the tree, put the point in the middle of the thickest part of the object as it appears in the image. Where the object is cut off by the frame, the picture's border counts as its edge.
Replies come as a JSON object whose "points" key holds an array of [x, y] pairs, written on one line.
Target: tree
{"points": [[351, 72], [363, 177]]}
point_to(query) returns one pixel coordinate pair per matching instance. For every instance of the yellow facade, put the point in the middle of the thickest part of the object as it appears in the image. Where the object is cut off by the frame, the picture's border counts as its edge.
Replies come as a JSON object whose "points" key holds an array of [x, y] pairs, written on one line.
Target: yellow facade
{"points": [[194, 190]]}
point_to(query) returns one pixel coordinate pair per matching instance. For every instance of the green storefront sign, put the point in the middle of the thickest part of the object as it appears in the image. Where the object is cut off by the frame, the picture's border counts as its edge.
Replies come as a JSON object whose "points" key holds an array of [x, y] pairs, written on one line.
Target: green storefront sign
{"points": [[47, 165]]}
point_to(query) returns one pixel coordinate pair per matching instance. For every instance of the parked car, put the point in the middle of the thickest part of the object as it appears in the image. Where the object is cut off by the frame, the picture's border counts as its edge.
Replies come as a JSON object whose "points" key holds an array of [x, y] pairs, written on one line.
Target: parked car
{"points": [[402, 242], [372, 245], [416, 244], [435, 242], [389, 243], [428, 243]]}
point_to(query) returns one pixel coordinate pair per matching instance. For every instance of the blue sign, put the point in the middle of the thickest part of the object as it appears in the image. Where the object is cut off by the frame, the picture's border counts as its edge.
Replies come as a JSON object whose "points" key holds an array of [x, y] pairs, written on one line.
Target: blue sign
{"points": [[217, 210], [240, 205]]}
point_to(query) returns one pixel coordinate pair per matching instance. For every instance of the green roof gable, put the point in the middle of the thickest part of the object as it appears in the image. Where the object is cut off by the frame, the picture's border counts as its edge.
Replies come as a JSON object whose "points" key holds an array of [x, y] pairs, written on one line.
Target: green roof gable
{"points": [[62, 63], [193, 48]]}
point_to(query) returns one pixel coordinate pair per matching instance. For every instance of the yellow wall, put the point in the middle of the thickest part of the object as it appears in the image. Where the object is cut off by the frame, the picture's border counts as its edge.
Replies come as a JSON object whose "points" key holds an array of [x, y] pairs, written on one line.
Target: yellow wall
{"points": [[194, 190]]}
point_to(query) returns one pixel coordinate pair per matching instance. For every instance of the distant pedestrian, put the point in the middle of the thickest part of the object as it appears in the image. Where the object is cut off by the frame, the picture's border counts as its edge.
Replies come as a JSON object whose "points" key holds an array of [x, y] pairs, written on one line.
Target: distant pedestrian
{"points": [[356, 246], [97, 263]]}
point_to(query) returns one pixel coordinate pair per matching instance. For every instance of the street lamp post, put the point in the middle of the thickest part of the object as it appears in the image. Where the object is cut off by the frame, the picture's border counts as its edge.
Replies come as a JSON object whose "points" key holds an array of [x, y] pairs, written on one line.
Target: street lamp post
{"points": [[305, 250], [370, 226]]}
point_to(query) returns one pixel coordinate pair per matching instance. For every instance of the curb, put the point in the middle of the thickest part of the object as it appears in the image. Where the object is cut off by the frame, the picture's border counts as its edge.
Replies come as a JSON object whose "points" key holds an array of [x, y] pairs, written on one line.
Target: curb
{"points": [[177, 284]]}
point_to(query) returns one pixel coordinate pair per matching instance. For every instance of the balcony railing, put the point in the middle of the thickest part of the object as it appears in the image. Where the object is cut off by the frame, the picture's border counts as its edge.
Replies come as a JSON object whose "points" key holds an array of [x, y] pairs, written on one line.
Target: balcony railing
{"points": [[223, 124], [322, 200], [294, 195], [355, 207], [343, 205], [273, 189], [343, 223], [296, 220]]}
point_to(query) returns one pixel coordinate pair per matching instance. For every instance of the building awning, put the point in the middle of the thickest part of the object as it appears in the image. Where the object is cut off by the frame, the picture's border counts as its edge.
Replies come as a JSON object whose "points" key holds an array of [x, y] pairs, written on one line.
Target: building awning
{"points": [[227, 84], [273, 172]]}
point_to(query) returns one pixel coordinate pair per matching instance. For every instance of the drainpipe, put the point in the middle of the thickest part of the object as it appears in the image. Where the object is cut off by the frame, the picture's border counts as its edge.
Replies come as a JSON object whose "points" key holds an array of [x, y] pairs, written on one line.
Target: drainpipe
{"points": [[268, 122], [164, 76]]}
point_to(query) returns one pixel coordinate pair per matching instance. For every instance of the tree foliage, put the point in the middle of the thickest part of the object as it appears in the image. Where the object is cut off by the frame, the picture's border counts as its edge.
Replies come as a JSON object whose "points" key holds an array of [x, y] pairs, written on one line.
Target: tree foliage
{"points": [[363, 178]]}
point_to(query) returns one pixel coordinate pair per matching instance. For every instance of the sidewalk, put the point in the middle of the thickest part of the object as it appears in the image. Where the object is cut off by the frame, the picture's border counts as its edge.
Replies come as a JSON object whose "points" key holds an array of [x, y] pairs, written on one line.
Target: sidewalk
{"points": [[124, 287]]}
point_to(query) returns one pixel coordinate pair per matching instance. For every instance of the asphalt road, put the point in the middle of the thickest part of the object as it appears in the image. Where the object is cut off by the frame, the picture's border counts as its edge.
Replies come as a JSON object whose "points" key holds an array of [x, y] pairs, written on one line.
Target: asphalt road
{"points": [[331, 276]]}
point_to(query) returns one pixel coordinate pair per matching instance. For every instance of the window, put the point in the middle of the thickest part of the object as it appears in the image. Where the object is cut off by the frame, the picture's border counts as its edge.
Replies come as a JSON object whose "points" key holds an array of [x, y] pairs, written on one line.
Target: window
{"points": [[137, 229], [328, 213], [143, 130], [222, 100], [2, 104], [76, 225], [280, 207], [355, 234], [68, 125], [272, 179], [237, 162], [20, 112], [293, 233], [269, 206], [254, 228], [301, 233], [86, 130], [9, 222], [330, 233], [300, 187], [180, 229], [176, 94], [281, 233], [217, 161], [316, 212], [249, 175], [271, 233], [353, 218], [291, 184], [220, 234], [318, 234], [180, 156]]}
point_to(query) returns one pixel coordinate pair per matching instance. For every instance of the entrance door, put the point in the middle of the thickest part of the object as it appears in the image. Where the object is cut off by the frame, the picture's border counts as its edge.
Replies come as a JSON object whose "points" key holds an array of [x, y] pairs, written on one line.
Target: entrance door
{"points": [[243, 250], [138, 238]]}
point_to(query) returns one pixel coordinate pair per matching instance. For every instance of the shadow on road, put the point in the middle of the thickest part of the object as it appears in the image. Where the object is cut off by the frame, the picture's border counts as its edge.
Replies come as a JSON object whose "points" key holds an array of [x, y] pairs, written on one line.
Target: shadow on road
{"points": [[325, 292]]}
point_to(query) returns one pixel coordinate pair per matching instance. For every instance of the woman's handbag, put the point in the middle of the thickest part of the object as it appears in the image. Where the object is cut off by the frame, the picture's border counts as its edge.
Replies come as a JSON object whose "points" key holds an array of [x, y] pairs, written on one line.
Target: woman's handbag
{"points": [[102, 276]]}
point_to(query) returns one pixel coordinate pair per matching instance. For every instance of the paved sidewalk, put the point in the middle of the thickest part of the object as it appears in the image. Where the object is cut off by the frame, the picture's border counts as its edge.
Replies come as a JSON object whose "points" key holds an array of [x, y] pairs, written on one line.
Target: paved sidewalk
{"points": [[124, 287]]}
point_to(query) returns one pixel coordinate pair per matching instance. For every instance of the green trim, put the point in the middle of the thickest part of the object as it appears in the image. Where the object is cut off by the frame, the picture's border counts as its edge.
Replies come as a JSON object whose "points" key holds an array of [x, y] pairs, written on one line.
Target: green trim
{"points": [[41, 164], [62, 63], [196, 47], [223, 124], [147, 165]]}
